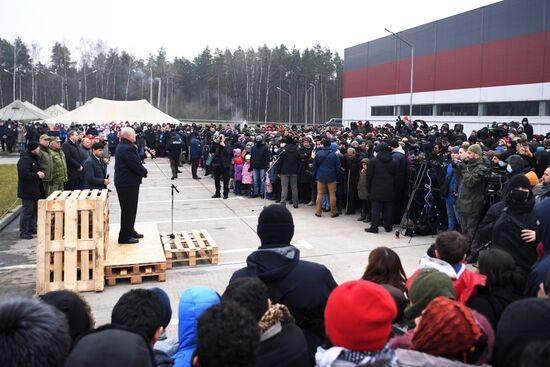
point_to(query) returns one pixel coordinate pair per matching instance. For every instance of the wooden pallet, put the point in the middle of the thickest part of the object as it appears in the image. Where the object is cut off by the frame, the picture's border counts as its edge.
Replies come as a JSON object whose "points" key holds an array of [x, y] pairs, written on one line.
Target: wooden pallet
{"points": [[73, 227], [135, 261], [188, 247], [135, 273]]}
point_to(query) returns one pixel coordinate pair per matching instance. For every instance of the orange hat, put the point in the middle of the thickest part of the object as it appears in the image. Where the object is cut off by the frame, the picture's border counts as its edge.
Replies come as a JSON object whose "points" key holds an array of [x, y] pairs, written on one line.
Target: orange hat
{"points": [[533, 179]]}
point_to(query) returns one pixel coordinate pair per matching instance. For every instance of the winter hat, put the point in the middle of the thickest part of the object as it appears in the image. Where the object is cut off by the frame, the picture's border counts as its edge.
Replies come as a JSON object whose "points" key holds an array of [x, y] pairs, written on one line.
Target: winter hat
{"points": [[275, 226], [516, 162], [236, 152], [247, 157], [518, 181], [455, 150], [383, 147], [32, 146], [447, 328], [167, 315], [359, 316], [475, 148], [427, 285], [75, 309], [289, 140], [532, 177]]}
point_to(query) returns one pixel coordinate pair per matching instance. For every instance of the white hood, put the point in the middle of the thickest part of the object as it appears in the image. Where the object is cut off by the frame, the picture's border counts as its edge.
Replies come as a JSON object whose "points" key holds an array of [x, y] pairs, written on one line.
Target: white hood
{"points": [[428, 262]]}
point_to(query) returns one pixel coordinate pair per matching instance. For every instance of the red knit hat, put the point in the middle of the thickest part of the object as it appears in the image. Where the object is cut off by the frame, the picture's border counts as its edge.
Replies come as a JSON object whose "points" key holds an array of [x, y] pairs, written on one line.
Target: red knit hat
{"points": [[359, 315]]}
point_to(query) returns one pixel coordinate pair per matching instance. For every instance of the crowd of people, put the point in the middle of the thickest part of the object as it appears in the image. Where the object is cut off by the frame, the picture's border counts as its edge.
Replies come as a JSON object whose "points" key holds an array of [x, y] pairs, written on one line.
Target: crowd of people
{"points": [[280, 310], [480, 295]]}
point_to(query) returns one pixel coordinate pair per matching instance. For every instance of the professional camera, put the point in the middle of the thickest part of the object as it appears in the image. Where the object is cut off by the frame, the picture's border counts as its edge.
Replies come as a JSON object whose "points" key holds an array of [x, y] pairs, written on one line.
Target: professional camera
{"points": [[494, 182]]}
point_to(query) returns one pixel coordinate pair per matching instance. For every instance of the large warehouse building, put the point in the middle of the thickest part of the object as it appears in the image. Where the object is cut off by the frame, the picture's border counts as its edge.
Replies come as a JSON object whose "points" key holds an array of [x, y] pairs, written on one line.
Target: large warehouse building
{"points": [[484, 65]]}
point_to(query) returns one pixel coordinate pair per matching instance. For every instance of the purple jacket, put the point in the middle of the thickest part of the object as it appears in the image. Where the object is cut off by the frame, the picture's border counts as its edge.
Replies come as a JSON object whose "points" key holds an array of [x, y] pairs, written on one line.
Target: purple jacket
{"points": [[238, 172]]}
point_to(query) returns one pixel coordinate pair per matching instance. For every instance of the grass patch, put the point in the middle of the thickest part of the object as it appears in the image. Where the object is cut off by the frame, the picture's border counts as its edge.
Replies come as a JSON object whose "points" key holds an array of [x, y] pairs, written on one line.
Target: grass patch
{"points": [[8, 186]]}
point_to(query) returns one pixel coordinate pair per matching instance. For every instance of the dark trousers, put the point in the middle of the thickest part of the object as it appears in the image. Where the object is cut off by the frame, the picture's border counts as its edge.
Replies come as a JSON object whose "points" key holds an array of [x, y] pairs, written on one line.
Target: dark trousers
{"points": [[174, 167], [221, 173], [3, 142], [73, 184], [194, 166], [469, 230], [27, 219], [128, 200], [384, 207]]}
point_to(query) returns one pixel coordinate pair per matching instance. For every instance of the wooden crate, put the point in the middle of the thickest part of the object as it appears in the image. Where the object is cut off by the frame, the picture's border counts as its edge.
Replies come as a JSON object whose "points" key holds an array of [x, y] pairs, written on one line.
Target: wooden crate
{"points": [[188, 247], [135, 261], [73, 227], [135, 273]]}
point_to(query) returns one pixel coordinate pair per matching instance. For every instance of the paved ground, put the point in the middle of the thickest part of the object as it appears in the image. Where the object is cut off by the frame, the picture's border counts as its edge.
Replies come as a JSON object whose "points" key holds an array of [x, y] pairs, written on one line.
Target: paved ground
{"points": [[339, 243]]}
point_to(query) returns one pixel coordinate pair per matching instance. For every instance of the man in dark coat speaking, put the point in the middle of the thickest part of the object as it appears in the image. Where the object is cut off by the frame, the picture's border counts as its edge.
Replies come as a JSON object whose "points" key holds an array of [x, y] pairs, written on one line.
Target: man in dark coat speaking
{"points": [[128, 174], [300, 285]]}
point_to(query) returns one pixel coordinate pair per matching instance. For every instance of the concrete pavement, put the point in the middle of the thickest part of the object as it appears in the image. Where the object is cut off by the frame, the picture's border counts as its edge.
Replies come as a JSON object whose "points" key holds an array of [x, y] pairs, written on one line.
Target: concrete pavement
{"points": [[339, 243]]}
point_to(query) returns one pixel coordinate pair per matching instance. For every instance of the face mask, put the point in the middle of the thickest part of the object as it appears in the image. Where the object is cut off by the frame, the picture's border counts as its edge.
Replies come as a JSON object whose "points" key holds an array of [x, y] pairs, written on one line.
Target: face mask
{"points": [[519, 196], [509, 169], [283, 145], [276, 150], [502, 164]]}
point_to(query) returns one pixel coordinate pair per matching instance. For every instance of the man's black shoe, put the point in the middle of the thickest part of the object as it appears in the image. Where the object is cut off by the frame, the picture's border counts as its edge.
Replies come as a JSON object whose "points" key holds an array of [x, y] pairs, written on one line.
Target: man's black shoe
{"points": [[173, 178], [26, 236], [295, 205], [196, 178], [371, 230], [335, 215], [180, 171], [216, 196], [360, 219], [137, 235], [225, 196], [388, 229]]}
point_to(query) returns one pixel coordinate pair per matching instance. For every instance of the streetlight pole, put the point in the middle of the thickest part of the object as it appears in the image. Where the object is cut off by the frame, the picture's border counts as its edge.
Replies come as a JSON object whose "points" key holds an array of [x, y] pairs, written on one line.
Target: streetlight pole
{"points": [[314, 97], [289, 104], [306, 103], [412, 71]]}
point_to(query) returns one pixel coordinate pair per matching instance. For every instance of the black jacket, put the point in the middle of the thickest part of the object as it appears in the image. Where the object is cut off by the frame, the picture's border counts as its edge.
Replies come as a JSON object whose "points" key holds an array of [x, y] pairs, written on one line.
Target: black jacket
{"points": [[259, 156], [74, 159], [492, 304], [289, 161], [501, 226], [381, 174], [222, 156], [28, 185], [174, 147], [300, 285], [288, 348], [128, 168], [94, 173]]}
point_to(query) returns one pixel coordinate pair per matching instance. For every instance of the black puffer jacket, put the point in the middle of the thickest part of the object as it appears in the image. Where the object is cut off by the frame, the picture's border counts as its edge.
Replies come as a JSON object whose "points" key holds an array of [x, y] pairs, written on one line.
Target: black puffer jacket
{"points": [[259, 156], [381, 174], [222, 156], [289, 161], [28, 186]]}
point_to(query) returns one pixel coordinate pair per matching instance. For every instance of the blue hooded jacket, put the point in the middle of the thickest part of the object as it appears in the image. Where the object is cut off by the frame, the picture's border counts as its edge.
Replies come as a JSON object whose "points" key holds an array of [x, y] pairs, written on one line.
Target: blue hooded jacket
{"points": [[193, 302], [542, 211]]}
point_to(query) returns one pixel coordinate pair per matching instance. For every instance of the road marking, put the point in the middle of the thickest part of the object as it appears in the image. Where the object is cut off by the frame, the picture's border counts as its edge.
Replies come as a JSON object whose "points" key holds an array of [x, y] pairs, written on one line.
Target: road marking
{"points": [[17, 267], [196, 220], [251, 249], [181, 201]]}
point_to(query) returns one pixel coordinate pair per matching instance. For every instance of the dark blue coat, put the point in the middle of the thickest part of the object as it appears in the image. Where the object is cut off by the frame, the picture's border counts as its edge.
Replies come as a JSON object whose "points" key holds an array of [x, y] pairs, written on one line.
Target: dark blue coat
{"points": [[28, 185], [174, 147], [94, 173], [128, 168], [326, 169], [196, 148]]}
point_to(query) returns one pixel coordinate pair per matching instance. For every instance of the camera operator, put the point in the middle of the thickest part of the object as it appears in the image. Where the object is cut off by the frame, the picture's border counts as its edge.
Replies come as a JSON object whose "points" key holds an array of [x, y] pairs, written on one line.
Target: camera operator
{"points": [[221, 164], [448, 190], [470, 203]]}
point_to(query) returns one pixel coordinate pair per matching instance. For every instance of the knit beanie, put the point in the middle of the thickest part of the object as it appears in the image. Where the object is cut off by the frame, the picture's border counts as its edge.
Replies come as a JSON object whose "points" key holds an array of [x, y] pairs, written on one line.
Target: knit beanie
{"points": [[359, 316], [532, 177], [427, 285], [447, 328], [32, 146], [516, 162], [475, 148], [275, 226], [518, 181], [167, 315]]}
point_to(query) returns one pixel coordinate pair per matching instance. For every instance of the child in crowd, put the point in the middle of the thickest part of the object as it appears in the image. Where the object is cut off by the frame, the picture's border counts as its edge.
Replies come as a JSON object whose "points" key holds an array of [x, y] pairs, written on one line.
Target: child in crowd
{"points": [[238, 170], [247, 177], [450, 255], [362, 192]]}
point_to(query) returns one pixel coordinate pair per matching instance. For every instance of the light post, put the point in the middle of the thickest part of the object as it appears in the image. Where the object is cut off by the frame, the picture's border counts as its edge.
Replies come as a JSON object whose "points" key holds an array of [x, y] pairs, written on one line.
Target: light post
{"points": [[306, 103], [289, 104], [314, 97], [62, 99], [412, 70]]}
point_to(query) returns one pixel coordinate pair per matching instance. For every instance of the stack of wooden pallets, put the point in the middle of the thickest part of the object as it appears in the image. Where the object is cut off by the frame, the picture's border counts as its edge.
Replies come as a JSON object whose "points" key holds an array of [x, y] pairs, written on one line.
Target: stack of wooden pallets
{"points": [[188, 247], [73, 228]]}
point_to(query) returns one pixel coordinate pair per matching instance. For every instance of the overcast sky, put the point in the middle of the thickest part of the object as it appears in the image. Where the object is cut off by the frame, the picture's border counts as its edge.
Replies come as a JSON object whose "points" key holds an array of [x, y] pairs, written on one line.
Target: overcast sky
{"points": [[185, 28]]}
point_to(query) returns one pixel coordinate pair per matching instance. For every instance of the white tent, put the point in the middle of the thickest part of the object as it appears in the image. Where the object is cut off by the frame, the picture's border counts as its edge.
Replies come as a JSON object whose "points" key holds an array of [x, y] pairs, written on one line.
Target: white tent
{"points": [[101, 111], [56, 110], [22, 111]]}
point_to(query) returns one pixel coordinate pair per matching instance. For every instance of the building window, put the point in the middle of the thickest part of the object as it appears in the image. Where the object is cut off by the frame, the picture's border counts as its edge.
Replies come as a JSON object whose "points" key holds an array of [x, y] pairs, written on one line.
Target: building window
{"points": [[528, 108], [457, 109], [423, 110], [547, 108], [381, 110]]}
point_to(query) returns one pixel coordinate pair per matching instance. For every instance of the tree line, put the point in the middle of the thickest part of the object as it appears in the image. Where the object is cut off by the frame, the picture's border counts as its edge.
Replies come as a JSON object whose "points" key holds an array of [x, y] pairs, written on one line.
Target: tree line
{"points": [[265, 84]]}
